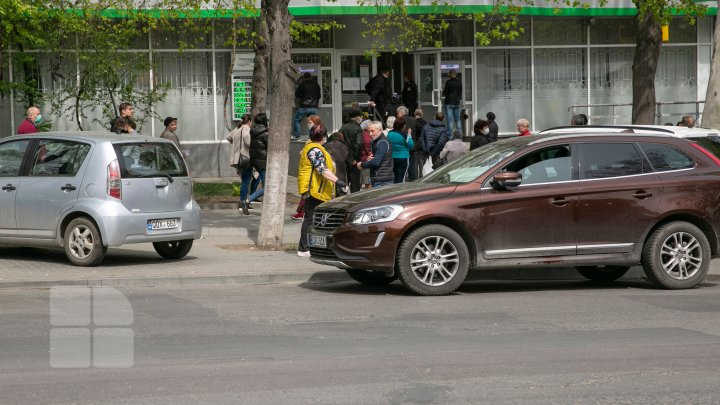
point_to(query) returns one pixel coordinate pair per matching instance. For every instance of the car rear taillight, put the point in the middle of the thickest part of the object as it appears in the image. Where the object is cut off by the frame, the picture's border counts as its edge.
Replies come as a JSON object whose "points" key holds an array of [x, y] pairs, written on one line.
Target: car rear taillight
{"points": [[114, 185], [707, 153]]}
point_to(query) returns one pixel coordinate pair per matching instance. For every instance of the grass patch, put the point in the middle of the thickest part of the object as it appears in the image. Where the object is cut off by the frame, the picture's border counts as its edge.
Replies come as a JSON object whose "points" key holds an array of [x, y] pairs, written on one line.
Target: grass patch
{"points": [[208, 191]]}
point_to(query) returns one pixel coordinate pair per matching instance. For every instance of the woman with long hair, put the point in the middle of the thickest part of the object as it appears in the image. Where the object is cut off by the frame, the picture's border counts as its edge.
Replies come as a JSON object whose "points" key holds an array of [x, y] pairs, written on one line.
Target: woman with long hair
{"points": [[240, 140]]}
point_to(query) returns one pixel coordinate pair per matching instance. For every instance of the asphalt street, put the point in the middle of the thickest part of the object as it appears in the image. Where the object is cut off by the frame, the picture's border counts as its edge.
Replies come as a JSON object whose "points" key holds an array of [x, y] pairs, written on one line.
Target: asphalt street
{"points": [[509, 342]]}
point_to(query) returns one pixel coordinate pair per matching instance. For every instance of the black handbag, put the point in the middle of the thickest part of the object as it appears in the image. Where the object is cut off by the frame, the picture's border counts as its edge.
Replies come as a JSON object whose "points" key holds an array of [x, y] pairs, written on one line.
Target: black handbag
{"points": [[243, 162]]}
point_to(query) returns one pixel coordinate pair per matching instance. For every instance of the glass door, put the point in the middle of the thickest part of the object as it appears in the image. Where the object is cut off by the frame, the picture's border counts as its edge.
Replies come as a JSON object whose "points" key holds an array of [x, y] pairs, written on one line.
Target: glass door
{"points": [[428, 81], [355, 71]]}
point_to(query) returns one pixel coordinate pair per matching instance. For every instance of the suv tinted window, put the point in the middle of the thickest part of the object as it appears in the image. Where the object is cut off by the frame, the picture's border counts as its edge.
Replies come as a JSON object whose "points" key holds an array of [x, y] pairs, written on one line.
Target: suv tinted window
{"points": [[11, 157], [58, 158], [666, 157], [544, 166], [601, 160], [150, 159]]}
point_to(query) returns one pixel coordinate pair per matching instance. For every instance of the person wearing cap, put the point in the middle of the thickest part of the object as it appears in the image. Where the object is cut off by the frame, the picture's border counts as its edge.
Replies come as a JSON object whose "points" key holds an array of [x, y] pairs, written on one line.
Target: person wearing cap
{"points": [[352, 133], [307, 95], [169, 132]]}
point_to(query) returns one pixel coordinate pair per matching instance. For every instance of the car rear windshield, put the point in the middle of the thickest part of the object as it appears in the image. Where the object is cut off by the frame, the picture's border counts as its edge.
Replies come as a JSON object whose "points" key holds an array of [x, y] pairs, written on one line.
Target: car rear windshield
{"points": [[710, 143], [148, 159]]}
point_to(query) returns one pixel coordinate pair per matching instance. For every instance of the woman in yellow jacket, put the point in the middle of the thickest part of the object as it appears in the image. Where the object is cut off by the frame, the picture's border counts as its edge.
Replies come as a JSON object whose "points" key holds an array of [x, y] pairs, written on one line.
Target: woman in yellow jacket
{"points": [[316, 181]]}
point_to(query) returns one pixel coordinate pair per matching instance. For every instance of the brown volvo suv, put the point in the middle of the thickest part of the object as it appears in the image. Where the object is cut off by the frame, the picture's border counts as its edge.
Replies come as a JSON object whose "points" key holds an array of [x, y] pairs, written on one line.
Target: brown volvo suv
{"points": [[599, 203]]}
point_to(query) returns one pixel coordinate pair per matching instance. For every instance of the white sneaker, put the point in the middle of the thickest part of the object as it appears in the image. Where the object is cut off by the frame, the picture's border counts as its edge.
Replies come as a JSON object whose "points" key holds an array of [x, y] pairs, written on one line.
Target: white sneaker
{"points": [[303, 254]]}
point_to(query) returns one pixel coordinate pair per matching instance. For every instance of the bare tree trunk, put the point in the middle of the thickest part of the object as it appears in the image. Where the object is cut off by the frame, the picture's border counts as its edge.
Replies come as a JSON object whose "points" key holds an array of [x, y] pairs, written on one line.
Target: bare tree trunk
{"points": [[260, 70], [711, 112], [282, 83], [647, 54]]}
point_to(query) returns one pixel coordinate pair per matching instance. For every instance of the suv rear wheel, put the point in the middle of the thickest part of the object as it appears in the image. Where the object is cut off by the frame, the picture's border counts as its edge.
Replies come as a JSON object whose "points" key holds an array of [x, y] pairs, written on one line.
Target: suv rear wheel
{"points": [[433, 260], [175, 249], [676, 255], [83, 244]]}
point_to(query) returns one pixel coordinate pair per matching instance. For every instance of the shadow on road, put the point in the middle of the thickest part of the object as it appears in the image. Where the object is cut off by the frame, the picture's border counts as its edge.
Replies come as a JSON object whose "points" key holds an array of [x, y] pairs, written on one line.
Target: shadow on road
{"points": [[116, 257]]}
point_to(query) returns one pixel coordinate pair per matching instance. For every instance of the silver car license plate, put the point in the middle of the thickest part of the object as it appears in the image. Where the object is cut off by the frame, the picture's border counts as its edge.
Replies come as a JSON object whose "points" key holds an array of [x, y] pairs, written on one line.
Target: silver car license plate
{"points": [[162, 224], [317, 241]]}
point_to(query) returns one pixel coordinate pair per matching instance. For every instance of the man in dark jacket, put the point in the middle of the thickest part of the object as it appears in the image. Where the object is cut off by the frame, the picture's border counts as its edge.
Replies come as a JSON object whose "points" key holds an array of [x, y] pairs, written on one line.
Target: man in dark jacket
{"points": [[453, 94], [258, 156], [352, 133], [308, 98], [434, 135], [380, 160], [410, 93], [379, 92]]}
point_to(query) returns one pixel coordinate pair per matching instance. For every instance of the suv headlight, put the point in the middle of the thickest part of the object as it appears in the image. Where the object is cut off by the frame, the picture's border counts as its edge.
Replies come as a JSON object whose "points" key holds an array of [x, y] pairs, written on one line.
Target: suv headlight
{"points": [[374, 215]]}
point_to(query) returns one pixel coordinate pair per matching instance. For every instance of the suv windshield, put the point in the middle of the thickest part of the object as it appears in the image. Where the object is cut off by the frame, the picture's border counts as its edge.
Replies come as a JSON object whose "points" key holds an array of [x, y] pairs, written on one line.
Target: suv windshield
{"points": [[150, 160], [475, 163]]}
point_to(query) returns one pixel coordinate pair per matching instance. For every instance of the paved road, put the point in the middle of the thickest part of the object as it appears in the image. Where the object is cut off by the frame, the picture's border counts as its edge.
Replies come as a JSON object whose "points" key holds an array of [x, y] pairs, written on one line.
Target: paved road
{"points": [[493, 342]]}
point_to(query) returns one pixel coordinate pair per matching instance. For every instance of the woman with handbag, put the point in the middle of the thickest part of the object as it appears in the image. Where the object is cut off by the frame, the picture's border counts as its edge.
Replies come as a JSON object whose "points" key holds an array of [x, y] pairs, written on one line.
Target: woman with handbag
{"points": [[240, 156]]}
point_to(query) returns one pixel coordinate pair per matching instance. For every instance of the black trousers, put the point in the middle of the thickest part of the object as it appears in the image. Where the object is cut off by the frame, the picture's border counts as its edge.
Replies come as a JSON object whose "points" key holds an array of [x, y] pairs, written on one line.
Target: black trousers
{"points": [[310, 205], [354, 179]]}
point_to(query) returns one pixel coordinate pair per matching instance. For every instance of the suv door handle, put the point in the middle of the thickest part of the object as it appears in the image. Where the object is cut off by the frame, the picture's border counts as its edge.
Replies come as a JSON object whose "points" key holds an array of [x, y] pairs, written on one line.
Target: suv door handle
{"points": [[642, 194], [8, 187], [560, 201], [68, 187]]}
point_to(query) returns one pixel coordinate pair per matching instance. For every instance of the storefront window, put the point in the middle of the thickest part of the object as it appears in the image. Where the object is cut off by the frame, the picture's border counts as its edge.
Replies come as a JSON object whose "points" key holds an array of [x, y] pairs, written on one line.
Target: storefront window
{"points": [[190, 94], [523, 34], [504, 86], [613, 31], [610, 83], [560, 81], [559, 31]]}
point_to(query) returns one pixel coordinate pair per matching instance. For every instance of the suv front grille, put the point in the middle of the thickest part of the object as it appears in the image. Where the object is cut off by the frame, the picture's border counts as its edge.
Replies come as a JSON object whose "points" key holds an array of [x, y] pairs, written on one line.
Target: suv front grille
{"points": [[328, 219], [323, 253]]}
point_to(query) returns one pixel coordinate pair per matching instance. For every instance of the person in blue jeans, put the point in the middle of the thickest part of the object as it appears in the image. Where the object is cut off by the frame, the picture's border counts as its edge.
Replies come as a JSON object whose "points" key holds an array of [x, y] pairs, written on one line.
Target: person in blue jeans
{"points": [[308, 97], [452, 91], [258, 157], [401, 145]]}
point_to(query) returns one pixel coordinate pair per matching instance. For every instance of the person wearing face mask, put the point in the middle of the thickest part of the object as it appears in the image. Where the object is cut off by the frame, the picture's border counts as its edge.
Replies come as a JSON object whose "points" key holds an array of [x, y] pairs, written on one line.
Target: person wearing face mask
{"points": [[31, 121], [481, 129]]}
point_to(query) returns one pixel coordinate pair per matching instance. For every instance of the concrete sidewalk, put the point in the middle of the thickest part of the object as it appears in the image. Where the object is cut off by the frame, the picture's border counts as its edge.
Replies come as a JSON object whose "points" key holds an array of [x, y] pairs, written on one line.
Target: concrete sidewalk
{"points": [[226, 254]]}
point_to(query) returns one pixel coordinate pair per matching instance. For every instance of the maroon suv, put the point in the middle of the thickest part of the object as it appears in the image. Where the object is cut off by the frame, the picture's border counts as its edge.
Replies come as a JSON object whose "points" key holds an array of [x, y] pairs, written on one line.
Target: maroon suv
{"points": [[599, 203]]}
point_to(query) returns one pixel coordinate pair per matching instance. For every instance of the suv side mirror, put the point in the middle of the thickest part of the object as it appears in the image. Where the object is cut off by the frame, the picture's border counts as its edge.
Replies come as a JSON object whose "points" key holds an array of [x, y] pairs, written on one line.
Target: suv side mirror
{"points": [[505, 180]]}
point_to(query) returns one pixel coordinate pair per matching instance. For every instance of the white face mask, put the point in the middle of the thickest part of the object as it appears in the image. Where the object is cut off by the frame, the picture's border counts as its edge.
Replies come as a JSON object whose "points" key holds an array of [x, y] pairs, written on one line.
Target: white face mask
{"points": [[486, 131]]}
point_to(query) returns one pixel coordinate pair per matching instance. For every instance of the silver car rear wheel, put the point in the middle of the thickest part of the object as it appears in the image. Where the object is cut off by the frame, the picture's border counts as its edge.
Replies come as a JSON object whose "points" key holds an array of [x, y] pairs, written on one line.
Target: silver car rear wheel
{"points": [[83, 244]]}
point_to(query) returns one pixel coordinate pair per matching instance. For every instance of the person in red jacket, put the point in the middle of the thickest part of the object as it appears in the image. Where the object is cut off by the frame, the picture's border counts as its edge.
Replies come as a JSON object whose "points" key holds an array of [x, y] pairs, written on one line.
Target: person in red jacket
{"points": [[29, 124], [523, 127]]}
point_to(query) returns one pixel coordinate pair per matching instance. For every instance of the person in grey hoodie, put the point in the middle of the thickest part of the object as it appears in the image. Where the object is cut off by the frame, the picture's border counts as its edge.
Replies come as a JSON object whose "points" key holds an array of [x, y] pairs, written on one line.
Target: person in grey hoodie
{"points": [[453, 149]]}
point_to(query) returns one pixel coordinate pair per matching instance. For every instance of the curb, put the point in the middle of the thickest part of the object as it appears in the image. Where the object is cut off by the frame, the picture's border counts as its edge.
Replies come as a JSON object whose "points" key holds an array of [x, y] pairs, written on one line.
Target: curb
{"points": [[254, 278], [331, 276]]}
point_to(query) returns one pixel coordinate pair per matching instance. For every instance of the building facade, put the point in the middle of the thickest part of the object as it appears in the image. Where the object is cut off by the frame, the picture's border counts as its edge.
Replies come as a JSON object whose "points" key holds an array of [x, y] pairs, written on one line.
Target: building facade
{"points": [[561, 64]]}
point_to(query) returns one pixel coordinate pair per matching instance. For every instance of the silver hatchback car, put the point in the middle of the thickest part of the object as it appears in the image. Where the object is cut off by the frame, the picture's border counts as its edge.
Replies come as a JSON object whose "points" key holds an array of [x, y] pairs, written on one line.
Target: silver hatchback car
{"points": [[85, 191]]}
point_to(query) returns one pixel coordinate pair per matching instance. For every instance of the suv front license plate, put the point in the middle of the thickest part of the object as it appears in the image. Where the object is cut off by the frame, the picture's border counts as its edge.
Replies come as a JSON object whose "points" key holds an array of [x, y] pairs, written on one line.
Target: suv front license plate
{"points": [[317, 241], [162, 224]]}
